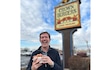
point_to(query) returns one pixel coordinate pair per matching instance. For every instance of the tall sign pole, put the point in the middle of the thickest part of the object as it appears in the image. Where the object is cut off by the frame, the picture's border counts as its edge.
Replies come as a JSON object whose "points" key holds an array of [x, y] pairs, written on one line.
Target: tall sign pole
{"points": [[67, 20]]}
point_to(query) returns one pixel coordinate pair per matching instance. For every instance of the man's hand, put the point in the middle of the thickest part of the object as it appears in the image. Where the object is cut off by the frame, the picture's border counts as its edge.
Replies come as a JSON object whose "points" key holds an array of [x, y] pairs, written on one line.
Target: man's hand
{"points": [[47, 59], [35, 63]]}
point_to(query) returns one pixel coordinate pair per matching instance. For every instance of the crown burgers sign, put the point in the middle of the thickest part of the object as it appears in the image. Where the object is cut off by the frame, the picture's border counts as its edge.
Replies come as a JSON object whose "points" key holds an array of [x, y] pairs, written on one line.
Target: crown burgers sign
{"points": [[67, 16]]}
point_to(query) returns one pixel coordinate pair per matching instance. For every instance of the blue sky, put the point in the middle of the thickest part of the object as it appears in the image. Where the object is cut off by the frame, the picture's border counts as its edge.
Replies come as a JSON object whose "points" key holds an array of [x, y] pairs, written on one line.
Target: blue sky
{"points": [[38, 16]]}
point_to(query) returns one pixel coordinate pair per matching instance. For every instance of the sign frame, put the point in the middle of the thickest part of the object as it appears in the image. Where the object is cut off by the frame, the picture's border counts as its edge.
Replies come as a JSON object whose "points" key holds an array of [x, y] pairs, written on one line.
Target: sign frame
{"points": [[69, 20]]}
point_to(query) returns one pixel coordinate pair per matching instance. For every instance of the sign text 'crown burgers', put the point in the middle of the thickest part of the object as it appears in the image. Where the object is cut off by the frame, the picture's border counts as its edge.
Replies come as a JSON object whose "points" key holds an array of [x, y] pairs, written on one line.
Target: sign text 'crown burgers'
{"points": [[67, 16]]}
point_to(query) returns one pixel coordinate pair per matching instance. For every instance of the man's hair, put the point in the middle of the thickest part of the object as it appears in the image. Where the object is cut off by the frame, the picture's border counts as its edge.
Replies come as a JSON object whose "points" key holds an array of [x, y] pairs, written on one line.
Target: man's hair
{"points": [[44, 33]]}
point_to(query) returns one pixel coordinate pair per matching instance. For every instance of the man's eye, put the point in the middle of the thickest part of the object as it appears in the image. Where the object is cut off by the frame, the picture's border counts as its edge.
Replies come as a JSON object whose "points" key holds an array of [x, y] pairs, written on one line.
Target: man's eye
{"points": [[44, 37]]}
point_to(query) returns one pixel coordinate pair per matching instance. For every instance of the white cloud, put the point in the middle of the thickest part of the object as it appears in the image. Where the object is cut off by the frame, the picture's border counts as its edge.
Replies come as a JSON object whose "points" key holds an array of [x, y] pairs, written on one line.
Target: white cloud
{"points": [[82, 35], [32, 21], [57, 46], [57, 37], [84, 7]]}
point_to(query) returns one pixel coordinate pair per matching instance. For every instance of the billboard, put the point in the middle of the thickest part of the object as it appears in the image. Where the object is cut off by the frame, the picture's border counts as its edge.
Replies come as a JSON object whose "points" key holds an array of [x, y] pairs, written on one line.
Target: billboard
{"points": [[67, 16]]}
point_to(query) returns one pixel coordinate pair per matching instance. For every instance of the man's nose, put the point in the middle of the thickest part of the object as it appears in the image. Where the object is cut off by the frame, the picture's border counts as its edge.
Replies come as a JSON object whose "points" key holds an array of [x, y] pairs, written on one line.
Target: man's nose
{"points": [[44, 37]]}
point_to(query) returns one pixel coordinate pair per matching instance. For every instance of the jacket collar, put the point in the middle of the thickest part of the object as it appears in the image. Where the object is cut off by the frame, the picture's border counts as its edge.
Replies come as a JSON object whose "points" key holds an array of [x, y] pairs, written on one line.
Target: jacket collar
{"points": [[43, 51]]}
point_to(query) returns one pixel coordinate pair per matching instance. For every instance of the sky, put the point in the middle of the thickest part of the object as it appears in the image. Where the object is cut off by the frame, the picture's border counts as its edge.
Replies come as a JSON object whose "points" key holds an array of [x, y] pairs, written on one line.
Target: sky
{"points": [[38, 16]]}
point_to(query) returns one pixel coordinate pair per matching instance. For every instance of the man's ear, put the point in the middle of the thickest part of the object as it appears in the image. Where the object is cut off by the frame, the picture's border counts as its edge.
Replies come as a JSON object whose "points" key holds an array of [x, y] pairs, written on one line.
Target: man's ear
{"points": [[50, 39]]}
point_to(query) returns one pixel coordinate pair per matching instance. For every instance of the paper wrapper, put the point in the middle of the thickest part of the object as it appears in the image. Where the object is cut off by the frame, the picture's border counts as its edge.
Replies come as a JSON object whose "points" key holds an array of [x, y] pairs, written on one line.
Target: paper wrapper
{"points": [[40, 59]]}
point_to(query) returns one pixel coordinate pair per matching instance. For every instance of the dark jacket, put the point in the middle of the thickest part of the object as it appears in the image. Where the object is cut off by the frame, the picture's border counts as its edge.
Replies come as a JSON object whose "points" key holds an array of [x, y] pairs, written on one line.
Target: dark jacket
{"points": [[53, 54]]}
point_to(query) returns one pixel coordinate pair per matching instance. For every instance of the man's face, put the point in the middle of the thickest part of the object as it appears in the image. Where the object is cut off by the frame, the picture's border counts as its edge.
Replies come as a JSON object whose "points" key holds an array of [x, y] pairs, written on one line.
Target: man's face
{"points": [[44, 39]]}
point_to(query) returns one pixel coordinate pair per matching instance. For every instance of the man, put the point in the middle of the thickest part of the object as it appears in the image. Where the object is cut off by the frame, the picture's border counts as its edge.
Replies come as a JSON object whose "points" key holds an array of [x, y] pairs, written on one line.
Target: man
{"points": [[51, 59]]}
